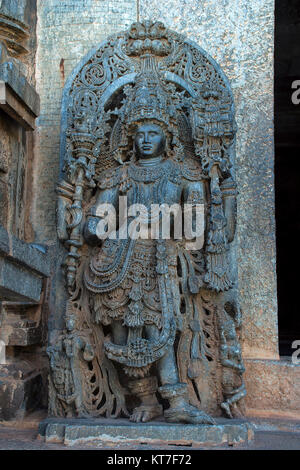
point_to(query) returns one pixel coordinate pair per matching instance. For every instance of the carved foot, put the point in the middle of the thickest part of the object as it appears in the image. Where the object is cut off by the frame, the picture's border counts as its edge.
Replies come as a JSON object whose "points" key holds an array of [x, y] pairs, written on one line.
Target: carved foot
{"points": [[188, 414], [145, 389], [226, 408], [145, 413], [235, 411], [231, 411], [180, 410]]}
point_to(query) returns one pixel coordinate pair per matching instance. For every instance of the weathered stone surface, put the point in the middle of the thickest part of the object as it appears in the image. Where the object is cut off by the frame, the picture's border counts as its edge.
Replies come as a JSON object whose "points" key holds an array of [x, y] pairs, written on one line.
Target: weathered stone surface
{"points": [[21, 332], [77, 431], [32, 256], [273, 388], [23, 266], [14, 34], [4, 241], [26, 94], [18, 9], [17, 31], [18, 284], [240, 38], [20, 386], [13, 161], [11, 106], [22, 269]]}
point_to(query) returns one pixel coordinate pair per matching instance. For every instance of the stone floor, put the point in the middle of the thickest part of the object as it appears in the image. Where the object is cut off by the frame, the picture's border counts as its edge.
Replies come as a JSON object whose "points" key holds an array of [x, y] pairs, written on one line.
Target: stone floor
{"points": [[270, 434]]}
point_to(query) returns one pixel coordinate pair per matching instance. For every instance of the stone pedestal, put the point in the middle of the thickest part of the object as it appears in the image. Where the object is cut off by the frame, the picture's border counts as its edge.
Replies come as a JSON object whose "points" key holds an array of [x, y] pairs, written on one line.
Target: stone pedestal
{"points": [[77, 431]]}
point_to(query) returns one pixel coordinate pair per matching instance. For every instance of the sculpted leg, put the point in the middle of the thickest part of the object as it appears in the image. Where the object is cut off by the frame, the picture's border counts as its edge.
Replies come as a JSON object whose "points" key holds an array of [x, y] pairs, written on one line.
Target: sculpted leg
{"points": [[176, 393], [229, 406], [180, 410], [145, 389]]}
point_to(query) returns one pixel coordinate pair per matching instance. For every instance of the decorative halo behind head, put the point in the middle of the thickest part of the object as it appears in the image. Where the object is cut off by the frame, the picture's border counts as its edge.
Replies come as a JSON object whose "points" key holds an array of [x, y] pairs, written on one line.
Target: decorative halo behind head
{"points": [[148, 73]]}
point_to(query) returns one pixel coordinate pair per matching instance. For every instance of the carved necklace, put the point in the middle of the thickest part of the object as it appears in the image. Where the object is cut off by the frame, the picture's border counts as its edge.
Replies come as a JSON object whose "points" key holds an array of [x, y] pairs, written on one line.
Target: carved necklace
{"points": [[149, 174]]}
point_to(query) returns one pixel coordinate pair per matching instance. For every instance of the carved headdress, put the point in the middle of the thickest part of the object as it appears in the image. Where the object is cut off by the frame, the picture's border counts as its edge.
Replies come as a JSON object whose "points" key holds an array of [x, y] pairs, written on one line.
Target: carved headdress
{"points": [[149, 99]]}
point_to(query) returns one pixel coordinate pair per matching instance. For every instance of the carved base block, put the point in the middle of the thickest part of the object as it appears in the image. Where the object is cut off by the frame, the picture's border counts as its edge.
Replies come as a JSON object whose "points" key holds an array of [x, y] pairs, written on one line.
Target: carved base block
{"points": [[76, 431]]}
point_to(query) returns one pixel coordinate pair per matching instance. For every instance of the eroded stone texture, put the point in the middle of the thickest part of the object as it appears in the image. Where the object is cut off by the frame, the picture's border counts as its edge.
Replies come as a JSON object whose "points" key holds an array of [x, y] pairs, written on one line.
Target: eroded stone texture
{"points": [[272, 388], [66, 31], [239, 36], [17, 30]]}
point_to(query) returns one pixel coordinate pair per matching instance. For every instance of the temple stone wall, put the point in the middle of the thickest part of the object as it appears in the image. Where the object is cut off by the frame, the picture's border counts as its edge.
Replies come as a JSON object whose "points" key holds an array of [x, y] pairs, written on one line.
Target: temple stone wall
{"points": [[24, 265], [239, 36]]}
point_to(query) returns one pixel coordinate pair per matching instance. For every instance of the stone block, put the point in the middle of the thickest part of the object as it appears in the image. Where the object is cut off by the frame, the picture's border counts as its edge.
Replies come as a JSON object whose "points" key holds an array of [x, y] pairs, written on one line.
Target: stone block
{"points": [[3, 53], [76, 431], [32, 256], [18, 9], [18, 283], [26, 100], [20, 386], [19, 332], [4, 203], [4, 241], [273, 388], [12, 106]]}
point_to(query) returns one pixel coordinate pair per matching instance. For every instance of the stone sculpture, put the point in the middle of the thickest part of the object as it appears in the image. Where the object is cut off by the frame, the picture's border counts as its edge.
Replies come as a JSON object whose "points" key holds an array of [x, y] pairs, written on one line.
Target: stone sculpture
{"points": [[148, 121]]}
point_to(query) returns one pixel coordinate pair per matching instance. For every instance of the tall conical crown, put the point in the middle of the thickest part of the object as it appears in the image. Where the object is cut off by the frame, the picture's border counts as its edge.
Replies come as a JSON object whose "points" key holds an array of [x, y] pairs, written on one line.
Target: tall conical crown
{"points": [[148, 99]]}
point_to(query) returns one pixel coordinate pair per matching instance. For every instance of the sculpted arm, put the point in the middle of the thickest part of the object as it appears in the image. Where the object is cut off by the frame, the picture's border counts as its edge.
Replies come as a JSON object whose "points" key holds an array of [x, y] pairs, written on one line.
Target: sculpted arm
{"points": [[228, 188], [87, 349], [106, 196], [194, 194]]}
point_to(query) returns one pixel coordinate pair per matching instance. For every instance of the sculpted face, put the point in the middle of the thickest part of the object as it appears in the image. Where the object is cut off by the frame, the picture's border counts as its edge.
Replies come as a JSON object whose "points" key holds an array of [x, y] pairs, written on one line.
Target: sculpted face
{"points": [[150, 140]]}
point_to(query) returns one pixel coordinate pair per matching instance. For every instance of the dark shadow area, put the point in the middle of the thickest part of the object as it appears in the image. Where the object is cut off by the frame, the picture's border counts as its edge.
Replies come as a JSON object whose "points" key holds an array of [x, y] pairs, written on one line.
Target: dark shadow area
{"points": [[287, 181]]}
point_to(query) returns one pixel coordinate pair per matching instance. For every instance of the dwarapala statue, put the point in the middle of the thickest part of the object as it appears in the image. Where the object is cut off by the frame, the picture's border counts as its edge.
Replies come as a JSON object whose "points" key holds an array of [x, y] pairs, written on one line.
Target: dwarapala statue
{"points": [[149, 137]]}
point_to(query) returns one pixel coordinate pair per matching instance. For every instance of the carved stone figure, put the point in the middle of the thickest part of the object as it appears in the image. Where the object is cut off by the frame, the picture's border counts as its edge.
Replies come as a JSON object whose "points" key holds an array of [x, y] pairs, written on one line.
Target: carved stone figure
{"points": [[149, 125], [66, 357], [229, 321]]}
